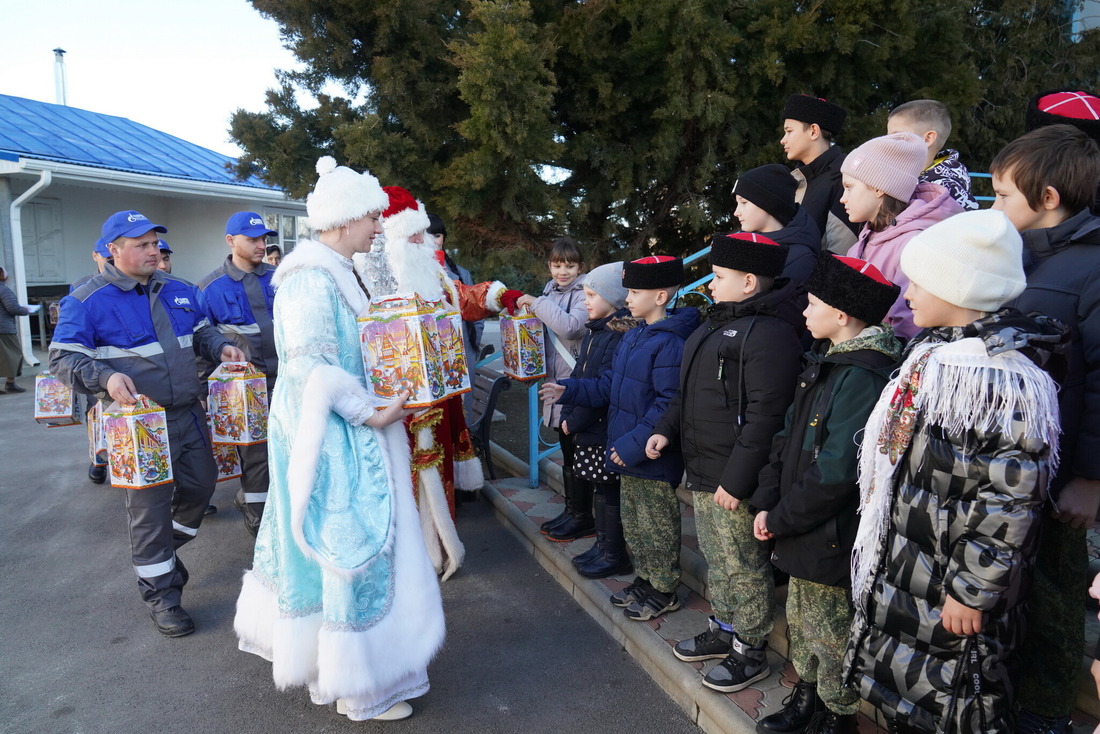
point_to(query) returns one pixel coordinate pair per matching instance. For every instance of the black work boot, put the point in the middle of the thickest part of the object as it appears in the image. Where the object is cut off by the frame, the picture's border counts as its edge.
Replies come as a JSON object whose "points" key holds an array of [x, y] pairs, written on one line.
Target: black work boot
{"points": [[798, 709], [599, 510], [826, 722], [744, 666], [579, 524], [173, 622], [615, 560], [567, 492]]}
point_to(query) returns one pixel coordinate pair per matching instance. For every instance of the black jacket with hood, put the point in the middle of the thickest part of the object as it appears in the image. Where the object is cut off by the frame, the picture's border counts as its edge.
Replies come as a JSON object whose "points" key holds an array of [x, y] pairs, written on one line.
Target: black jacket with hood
{"points": [[736, 382]]}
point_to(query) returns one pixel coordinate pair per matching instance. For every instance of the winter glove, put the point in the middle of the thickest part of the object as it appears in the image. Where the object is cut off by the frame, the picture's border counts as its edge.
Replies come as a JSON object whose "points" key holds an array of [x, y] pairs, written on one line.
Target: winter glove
{"points": [[508, 300]]}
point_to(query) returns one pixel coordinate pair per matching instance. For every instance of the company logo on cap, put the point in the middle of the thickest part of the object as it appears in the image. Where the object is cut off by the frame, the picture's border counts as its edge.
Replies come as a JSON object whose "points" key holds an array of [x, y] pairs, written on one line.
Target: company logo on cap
{"points": [[255, 222], [135, 217]]}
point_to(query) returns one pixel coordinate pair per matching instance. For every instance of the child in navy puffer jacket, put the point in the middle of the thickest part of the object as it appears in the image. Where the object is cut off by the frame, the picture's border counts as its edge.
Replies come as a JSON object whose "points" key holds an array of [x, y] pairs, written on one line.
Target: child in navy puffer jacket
{"points": [[644, 378]]}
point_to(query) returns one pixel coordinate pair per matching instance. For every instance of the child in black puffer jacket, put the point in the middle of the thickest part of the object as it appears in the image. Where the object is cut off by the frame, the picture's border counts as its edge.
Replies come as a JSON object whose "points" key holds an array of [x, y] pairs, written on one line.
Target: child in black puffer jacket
{"points": [[604, 299]]}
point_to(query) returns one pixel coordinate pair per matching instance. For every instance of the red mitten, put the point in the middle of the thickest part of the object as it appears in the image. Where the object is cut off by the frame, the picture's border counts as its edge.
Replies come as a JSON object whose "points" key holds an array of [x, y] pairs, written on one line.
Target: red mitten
{"points": [[508, 300]]}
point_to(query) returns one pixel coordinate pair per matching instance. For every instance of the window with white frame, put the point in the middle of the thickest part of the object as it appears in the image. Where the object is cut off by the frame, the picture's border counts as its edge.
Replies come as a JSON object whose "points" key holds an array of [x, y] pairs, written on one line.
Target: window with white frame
{"points": [[290, 225]]}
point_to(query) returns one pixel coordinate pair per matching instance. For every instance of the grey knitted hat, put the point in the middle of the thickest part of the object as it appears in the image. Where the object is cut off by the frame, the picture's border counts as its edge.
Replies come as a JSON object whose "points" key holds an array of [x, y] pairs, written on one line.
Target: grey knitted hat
{"points": [[607, 281]]}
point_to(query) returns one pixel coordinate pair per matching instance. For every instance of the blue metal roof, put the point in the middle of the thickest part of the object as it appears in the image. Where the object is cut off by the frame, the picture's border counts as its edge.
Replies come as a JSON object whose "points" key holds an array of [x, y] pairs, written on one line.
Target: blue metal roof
{"points": [[53, 132]]}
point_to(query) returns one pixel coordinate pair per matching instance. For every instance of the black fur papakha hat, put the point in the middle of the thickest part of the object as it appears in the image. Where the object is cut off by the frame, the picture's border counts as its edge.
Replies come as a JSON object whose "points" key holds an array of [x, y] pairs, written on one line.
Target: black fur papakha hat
{"points": [[853, 286], [748, 252], [653, 272], [804, 108]]}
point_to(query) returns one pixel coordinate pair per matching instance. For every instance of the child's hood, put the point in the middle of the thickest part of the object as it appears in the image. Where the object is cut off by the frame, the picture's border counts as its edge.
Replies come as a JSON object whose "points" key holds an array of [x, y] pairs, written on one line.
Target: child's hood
{"points": [[680, 321], [876, 348], [931, 203], [801, 231], [1039, 338], [780, 302]]}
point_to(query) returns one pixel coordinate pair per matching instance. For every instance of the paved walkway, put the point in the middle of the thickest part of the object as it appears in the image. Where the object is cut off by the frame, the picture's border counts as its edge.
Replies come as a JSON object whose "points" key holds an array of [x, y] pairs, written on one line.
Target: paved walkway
{"points": [[650, 643]]}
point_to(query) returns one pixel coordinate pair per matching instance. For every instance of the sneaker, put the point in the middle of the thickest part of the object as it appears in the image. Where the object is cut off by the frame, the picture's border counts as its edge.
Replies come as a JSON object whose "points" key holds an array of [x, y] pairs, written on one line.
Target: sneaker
{"points": [[744, 666], [631, 593], [653, 603], [1032, 723], [12, 387], [714, 643]]}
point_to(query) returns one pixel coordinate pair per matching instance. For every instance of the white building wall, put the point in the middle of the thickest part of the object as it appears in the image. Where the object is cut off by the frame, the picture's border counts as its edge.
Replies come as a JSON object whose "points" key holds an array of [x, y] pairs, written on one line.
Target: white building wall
{"points": [[196, 225]]}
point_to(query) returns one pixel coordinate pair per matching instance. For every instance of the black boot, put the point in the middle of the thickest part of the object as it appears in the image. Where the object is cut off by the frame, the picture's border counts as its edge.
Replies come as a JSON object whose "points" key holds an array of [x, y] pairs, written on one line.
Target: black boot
{"points": [[614, 561], [798, 709], [567, 513], [827, 722], [578, 499], [598, 509]]}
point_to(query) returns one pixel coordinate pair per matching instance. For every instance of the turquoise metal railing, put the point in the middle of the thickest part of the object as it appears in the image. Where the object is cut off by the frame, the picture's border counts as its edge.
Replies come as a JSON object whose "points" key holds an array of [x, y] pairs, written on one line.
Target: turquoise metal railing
{"points": [[534, 413]]}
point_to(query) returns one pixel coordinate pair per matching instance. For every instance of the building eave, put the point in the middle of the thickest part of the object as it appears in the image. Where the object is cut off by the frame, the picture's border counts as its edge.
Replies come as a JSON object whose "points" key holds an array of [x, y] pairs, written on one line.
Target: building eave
{"points": [[162, 185]]}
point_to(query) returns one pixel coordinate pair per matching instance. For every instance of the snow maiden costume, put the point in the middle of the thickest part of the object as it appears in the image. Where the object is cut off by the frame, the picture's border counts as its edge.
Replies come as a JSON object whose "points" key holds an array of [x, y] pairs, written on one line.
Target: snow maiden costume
{"points": [[342, 596]]}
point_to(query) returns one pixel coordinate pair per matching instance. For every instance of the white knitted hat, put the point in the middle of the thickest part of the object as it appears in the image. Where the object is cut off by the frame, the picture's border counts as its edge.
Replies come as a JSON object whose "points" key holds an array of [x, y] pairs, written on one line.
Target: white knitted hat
{"points": [[341, 195], [972, 260], [889, 163]]}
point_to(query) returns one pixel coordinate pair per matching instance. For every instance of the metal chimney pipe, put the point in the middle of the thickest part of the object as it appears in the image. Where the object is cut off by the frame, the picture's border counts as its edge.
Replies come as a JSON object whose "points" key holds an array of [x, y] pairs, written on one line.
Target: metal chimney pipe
{"points": [[59, 75]]}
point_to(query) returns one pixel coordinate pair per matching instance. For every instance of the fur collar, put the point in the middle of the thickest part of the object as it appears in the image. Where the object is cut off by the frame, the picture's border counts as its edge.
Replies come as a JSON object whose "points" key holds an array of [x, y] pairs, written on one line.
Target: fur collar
{"points": [[314, 255]]}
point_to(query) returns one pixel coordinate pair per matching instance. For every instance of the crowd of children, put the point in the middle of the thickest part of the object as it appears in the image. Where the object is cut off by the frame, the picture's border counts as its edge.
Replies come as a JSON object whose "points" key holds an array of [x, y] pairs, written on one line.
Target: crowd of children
{"points": [[928, 504]]}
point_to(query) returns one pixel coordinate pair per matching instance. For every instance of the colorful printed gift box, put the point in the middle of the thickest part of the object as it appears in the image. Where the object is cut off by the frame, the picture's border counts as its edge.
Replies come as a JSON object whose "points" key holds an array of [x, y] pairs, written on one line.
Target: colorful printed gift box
{"points": [[237, 404], [415, 345], [226, 457], [54, 402], [524, 346], [97, 438], [138, 452]]}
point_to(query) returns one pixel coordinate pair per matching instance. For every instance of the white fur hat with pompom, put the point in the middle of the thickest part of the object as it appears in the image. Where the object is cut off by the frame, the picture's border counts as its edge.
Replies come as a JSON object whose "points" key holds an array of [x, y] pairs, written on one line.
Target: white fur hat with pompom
{"points": [[341, 195]]}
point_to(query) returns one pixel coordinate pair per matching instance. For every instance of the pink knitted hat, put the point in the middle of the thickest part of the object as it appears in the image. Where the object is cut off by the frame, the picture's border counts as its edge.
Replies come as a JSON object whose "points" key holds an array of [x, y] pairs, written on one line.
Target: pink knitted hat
{"points": [[890, 163]]}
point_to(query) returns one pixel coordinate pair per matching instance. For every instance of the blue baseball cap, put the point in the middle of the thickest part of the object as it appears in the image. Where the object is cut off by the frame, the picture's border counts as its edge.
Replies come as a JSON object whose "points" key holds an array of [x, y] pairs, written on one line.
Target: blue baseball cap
{"points": [[102, 250], [164, 247], [250, 224], [127, 224]]}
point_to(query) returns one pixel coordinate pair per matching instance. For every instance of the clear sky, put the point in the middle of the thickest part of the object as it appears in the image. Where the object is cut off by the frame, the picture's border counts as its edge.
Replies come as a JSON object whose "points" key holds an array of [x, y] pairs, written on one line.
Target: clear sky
{"points": [[181, 66]]}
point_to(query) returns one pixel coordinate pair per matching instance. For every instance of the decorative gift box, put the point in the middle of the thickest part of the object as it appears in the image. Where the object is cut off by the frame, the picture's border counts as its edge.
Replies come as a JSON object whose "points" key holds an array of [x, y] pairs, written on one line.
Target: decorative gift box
{"points": [[524, 345], [138, 453], [415, 345], [97, 438], [237, 404], [226, 457], [54, 402]]}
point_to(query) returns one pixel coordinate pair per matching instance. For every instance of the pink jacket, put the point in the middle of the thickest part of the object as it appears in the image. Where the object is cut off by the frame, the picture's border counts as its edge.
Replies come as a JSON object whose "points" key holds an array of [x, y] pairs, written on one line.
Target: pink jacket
{"points": [[931, 203]]}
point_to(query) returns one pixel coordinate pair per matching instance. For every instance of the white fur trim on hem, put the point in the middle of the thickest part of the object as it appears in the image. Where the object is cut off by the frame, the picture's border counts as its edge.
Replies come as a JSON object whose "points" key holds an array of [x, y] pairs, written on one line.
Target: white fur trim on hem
{"points": [[469, 474], [440, 535]]}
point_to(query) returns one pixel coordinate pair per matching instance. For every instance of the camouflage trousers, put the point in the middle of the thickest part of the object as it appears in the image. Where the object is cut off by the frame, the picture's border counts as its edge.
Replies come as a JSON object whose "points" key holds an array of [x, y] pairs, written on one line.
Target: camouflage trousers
{"points": [[739, 575], [651, 524], [1050, 656], [819, 618]]}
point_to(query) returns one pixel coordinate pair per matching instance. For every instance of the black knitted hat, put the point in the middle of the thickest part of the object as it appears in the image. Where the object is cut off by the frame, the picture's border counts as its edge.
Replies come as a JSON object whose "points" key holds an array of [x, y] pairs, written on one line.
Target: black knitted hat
{"points": [[853, 286], [748, 252], [771, 188], [653, 272], [1065, 107], [804, 108]]}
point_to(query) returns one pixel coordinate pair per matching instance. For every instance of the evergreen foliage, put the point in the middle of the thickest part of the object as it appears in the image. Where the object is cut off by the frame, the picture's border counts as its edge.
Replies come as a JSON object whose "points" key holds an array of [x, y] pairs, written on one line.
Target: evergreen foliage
{"points": [[624, 123]]}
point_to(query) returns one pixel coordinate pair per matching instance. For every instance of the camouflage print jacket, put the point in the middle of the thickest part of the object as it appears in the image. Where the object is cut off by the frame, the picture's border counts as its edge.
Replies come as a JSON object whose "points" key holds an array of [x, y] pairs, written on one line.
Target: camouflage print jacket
{"points": [[959, 516]]}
